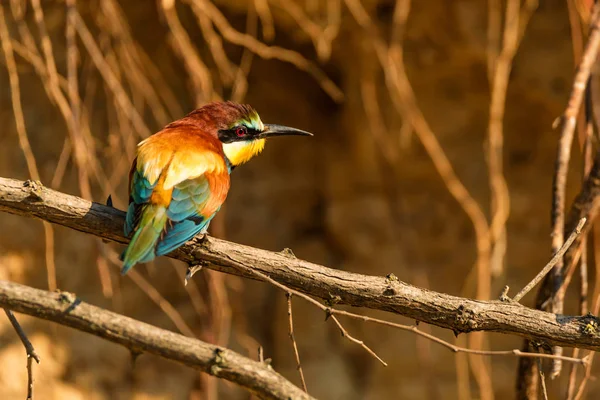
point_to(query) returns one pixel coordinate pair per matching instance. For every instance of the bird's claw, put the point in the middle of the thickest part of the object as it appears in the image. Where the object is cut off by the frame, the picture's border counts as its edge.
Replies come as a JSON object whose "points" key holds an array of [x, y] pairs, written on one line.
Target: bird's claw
{"points": [[201, 238], [191, 270]]}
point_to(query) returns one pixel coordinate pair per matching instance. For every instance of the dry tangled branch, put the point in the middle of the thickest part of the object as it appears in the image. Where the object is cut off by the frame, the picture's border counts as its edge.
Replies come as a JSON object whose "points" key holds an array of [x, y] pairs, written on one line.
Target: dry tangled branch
{"points": [[66, 309], [103, 54], [381, 293]]}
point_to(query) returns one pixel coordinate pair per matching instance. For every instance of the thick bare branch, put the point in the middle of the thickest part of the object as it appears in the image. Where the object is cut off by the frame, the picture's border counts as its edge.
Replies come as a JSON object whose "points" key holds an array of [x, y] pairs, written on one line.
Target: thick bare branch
{"points": [[380, 293], [66, 309]]}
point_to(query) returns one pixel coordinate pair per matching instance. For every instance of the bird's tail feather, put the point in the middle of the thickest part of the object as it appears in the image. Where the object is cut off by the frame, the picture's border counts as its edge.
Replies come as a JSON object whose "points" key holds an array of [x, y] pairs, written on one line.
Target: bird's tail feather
{"points": [[143, 243]]}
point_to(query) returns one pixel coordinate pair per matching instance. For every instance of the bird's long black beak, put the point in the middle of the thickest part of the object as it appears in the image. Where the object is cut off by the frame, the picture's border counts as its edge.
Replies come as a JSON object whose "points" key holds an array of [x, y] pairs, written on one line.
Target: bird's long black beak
{"points": [[280, 130]]}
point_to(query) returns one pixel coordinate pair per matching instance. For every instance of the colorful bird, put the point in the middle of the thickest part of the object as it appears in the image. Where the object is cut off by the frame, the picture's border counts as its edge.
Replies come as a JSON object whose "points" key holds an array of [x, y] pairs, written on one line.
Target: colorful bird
{"points": [[180, 177]]}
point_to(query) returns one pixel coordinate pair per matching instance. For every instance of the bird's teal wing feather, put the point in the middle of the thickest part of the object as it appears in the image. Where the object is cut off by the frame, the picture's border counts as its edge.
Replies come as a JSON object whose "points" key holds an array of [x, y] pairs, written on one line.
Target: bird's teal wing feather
{"points": [[178, 181], [185, 213], [140, 192]]}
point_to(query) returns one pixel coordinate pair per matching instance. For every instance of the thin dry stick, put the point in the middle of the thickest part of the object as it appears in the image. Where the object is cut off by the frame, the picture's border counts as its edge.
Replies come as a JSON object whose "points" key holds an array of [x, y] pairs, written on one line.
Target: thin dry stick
{"points": [[220, 306], [461, 361], [583, 267], [377, 127], [542, 379], [595, 308], [267, 52], [75, 114], [553, 261], [158, 299], [502, 65], [196, 68], [293, 339], [359, 342], [83, 142], [31, 56], [61, 165], [68, 110], [266, 19], [455, 348], [494, 26], [240, 84], [152, 85], [31, 354], [577, 41], [572, 378], [328, 310], [108, 75], [215, 42], [314, 30], [74, 100], [569, 119], [15, 91], [404, 100], [331, 30]]}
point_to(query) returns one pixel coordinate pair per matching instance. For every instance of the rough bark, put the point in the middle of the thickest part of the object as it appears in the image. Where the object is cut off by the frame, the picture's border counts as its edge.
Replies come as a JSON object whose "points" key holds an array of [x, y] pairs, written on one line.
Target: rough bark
{"points": [[66, 309], [375, 292]]}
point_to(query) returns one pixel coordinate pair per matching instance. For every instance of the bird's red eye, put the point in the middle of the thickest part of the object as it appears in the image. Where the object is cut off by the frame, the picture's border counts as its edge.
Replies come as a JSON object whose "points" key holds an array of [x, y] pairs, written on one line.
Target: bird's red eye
{"points": [[240, 131]]}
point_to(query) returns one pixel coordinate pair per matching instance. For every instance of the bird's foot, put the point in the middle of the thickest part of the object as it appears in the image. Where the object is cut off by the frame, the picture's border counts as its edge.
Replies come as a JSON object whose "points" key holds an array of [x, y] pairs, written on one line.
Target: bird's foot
{"points": [[201, 238], [191, 270]]}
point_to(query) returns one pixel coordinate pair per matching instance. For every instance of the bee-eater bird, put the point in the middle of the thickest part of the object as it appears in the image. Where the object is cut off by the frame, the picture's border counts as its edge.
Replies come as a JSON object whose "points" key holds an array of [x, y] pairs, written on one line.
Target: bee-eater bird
{"points": [[180, 177]]}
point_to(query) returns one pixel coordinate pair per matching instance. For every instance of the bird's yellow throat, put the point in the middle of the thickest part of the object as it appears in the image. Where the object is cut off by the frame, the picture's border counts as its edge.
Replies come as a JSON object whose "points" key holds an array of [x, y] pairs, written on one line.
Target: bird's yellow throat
{"points": [[241, 152]]}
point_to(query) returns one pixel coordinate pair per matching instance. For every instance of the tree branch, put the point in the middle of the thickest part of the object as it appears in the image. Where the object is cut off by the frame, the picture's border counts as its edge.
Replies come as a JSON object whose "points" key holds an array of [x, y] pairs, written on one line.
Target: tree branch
{"points": [[380, 293], [66, 309]]}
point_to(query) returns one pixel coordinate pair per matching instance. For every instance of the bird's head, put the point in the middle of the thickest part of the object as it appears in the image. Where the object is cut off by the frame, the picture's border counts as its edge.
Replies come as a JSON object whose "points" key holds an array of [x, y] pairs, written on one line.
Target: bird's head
{"points": [[241, 131]]}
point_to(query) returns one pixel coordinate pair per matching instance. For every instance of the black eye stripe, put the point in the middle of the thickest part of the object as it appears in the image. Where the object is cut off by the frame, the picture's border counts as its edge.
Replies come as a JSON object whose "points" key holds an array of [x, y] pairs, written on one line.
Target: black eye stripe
{"points": [[232, 135]]}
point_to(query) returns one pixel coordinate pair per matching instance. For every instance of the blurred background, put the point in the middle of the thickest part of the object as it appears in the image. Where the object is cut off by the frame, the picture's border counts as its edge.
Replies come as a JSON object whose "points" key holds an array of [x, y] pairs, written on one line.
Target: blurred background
{"points": [[432, 119]]}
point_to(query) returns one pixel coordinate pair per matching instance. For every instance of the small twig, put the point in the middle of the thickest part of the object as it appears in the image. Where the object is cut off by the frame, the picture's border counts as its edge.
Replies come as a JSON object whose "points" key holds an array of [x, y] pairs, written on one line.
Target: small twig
{"points": [[353, 339], [332, 311], [542, 379], [31, 354], [328, 310], [293, 338], [572, 378], [552, 262], [458, 349]]}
